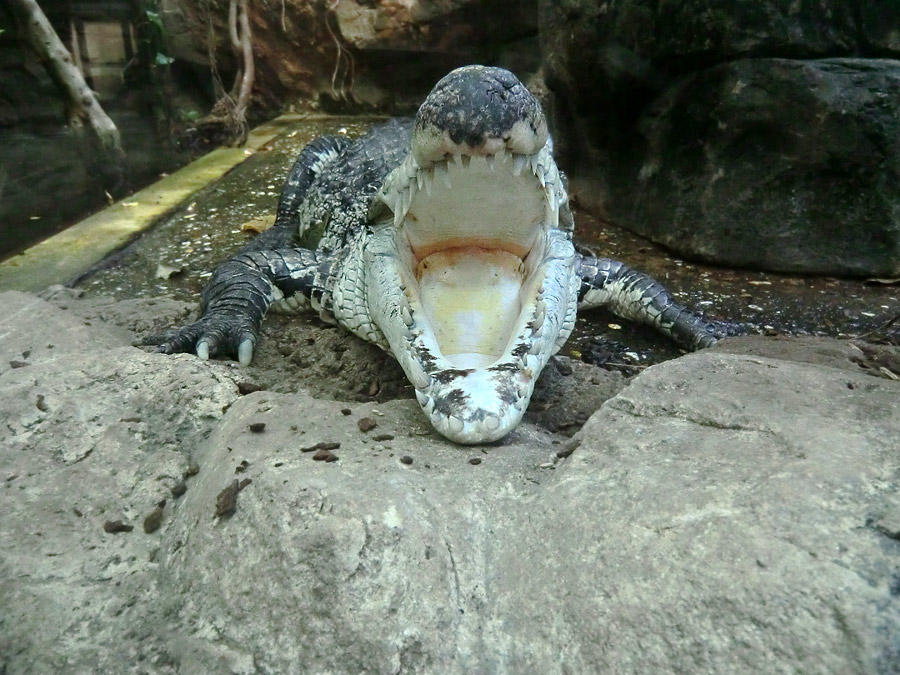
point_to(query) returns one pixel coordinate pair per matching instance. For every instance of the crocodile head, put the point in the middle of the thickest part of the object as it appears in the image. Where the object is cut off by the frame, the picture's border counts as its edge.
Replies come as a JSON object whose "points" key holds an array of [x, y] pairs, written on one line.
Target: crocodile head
{"points": [[469, 264]]}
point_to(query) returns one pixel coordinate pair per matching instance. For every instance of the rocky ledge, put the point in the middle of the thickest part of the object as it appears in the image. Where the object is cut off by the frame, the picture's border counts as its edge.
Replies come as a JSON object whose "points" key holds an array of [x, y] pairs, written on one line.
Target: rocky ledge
{"points": [[734, 510]]}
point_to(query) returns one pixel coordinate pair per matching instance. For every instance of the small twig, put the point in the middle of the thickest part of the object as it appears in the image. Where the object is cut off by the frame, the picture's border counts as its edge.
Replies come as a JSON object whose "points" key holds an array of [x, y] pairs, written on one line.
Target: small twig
{"points": [[880, 328], [623, 365], [338, 60]]}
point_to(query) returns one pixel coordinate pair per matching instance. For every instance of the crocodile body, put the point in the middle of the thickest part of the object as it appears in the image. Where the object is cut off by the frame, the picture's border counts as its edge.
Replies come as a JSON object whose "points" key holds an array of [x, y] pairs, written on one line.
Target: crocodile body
{"points": [[447, 241]]}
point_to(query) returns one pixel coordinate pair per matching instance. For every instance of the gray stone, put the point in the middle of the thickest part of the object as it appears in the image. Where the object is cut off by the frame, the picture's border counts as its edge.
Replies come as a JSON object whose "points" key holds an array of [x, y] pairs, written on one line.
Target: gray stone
{"points": [[93, 431], [722, 513], [880, 27], [710, 128], [773, 164], [609, 59], [738, 494]]}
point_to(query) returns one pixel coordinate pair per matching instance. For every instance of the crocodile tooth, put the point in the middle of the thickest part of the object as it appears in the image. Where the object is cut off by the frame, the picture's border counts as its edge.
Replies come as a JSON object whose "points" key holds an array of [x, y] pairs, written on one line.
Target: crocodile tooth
{"points": [[420, 180], [423, 398], [540, 177], [490, 160], [456, 424], [538, 330], [519, 164], [427, 179], [491, 422], [536, 347], [540, 311], [442, 172], [406, 315], [398, 213], [522, 389], [407, 199], [457, 159], [419, 378], [552, 216]]}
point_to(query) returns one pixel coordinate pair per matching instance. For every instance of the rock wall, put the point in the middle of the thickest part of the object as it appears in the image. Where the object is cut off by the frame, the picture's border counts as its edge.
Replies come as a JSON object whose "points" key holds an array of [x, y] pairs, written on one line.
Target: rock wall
{"points": [[761, 134], [351, 54]]}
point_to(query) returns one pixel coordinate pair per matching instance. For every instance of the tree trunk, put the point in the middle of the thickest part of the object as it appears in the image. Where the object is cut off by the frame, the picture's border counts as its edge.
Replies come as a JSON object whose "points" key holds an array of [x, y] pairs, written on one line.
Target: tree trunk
{"points": [[84, 111], [248, 74], [227, 121]]}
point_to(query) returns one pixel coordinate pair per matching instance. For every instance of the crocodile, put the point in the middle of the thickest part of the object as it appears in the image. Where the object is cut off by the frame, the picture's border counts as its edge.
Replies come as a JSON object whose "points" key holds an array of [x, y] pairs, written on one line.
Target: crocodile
{"points": [[445, 239]]}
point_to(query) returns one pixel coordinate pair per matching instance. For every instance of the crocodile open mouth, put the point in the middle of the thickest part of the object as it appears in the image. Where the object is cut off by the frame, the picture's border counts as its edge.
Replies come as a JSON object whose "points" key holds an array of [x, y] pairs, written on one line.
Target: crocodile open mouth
{"points": [[482, 276], [474, 258]]}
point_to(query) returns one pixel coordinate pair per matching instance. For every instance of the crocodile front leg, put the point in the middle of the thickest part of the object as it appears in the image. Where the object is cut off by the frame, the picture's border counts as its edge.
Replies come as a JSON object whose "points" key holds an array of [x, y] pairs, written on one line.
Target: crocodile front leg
{"points": [[241, 292], [637, 297]]}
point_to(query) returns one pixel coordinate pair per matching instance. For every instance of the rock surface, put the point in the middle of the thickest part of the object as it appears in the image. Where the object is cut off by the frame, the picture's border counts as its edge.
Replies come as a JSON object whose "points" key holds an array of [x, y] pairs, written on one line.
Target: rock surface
{"points": [[725, 512], [773, 164], [768, 117], [357, 53]]}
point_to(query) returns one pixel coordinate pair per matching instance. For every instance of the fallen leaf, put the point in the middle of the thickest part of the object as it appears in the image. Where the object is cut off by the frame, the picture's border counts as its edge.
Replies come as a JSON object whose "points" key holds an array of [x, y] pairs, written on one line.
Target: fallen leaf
{"points": [[258, 224], [164, 271]]}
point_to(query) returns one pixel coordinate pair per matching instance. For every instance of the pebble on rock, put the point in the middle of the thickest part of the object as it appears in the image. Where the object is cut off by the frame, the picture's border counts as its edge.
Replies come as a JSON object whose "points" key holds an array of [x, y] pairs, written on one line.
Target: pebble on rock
{"points": [[116, 526], [322, 445], [226, 501], [366, 424], [153, 520]]}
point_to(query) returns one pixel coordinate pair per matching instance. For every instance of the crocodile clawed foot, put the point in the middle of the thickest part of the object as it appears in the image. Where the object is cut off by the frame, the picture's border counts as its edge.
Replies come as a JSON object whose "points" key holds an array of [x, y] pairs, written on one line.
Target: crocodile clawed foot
{"points": [[209, 336]]}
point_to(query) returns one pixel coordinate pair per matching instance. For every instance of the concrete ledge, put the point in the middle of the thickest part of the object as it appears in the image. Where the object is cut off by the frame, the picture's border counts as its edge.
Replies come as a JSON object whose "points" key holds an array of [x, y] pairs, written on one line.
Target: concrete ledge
{"points": [[64, 256]]}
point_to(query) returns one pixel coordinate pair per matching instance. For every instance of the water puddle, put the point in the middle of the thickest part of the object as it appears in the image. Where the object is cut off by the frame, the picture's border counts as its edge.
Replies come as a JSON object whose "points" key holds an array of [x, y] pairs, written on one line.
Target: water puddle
{"points": [[177, 256]]}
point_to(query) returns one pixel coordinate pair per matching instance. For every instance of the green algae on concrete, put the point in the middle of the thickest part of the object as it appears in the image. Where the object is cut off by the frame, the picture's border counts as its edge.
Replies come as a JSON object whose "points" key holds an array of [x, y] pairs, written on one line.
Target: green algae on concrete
{"points": [[68, 254]]}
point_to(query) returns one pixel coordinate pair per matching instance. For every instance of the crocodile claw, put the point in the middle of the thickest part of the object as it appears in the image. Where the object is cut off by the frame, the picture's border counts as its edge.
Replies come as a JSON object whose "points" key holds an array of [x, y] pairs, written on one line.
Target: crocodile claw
{"points": [[209, 336], [203, 350], [245, 352]]}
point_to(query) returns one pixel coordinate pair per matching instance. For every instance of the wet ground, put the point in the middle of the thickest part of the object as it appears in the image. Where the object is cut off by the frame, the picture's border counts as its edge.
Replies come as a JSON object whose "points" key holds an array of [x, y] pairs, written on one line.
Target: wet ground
{"points": [[177, 257]]}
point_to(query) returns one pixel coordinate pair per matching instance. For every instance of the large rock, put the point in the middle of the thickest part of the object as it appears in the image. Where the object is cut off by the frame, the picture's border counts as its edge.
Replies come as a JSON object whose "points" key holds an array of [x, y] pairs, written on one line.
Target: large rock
{"points": [[608, 59], [627, 76], [773, 164], [724, 513], [880, 26]]}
